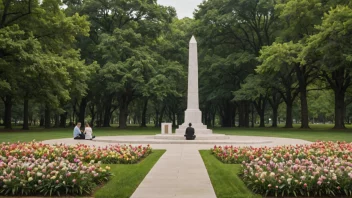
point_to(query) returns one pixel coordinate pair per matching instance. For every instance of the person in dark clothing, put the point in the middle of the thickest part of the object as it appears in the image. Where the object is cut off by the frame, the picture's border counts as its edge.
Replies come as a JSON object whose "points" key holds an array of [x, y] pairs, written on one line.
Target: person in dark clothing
{"points": [[190, 133]]}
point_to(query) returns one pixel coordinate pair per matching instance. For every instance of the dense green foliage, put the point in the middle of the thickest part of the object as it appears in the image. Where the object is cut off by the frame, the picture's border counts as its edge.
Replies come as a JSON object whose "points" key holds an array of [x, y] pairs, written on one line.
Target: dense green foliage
{"points": [[125, 62], [269, 52]]}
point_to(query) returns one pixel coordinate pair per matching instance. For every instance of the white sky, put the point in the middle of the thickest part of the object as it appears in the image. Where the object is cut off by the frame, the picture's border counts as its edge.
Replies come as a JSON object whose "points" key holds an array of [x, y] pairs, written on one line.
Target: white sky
{"points": [[184, 8]]}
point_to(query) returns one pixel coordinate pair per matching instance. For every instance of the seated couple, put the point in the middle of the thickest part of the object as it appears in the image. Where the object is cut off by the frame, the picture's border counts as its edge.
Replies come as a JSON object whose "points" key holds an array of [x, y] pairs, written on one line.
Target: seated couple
{"points": [[87, 134], [190, 132]]}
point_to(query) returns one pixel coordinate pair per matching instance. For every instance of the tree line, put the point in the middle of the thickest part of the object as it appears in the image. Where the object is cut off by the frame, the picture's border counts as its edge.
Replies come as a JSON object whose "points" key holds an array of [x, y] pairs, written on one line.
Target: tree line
{"points": [[103, 61], [273, 52]]}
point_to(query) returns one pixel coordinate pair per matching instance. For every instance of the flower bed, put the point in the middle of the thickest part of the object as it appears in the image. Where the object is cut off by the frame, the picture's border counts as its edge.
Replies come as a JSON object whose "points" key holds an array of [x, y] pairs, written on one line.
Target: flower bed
{"points": [[31, 176], [236, 155], [113, 154], [40, 169], [319, 169]]}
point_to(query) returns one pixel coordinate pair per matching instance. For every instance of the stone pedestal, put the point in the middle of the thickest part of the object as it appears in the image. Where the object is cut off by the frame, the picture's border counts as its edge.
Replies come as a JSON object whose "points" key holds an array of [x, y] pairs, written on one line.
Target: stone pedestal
{"points": [[166, 128], [199, 128]]}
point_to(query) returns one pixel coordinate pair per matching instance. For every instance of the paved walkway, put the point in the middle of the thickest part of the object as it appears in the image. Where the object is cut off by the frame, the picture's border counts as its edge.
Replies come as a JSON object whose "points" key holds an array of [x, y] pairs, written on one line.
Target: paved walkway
{"points": [[180, 172]]}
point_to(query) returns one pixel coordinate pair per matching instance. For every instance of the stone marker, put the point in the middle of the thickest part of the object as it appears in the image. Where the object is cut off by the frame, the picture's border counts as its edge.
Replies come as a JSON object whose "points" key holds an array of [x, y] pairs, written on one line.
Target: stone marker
{"points": [[193, 114], [166, 128]]}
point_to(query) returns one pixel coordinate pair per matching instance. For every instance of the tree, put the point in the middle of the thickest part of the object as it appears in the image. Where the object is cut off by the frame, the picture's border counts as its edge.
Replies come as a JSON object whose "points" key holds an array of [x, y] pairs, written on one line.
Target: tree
{"points": [[125, 38], [254, 90], [321, 105], [43, 72], [332, 45], [278, 60], [17, 50], [231, 35]]}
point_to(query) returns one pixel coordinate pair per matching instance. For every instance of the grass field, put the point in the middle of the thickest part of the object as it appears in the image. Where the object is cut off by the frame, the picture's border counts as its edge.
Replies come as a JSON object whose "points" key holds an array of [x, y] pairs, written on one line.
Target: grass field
{"points": [[40, 134], [224, 178], [317, 132], [127, 177]]}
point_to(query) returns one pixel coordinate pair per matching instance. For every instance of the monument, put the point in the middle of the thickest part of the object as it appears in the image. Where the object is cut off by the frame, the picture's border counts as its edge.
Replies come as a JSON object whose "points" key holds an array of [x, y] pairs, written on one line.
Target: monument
{"points": [[193, 114]]}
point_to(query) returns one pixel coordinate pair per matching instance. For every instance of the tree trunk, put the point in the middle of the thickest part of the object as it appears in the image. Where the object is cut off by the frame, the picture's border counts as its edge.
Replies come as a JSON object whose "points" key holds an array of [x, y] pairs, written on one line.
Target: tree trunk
{"points": [[93, 113], [107, 114], [179, 118], [144, 112], [241, 114], [173, 119], [246, 113], [304, 109], [8, 112], [57, 121], [41, 122], [63, 118], [252, 112], [73, 114], [233, 121], [227, 113], [204, 116], [274, 121], [260, 107], [100, 120], [123, 116], [47, 117], [30, 118], [25, 114], [208, 118], [274, 102], [339, 109], [82, 110], [262, 119], [156, 120], [302, 82], [289, 123], [161, 115], [123, 112]]}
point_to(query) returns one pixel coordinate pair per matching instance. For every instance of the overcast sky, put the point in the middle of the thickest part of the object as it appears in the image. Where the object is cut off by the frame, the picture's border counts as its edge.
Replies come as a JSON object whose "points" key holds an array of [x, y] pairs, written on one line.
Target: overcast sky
{"points": [[184, 8]]}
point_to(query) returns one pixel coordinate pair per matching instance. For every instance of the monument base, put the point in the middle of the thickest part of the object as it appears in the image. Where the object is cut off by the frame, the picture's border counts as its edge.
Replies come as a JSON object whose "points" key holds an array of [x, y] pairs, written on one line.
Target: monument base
{"points": [[199, 137], [197, 131], [199, 128]]}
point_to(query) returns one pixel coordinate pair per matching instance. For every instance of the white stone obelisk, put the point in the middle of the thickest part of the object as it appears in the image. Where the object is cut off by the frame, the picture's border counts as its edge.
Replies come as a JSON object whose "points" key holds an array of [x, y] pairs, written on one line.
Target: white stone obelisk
{"points": [[193, 114]]}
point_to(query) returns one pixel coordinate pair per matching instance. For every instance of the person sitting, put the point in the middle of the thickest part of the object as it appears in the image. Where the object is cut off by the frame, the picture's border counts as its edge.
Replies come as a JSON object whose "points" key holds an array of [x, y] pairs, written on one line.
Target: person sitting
{"points": [[88, 132], [77, 134], [190, 132]]}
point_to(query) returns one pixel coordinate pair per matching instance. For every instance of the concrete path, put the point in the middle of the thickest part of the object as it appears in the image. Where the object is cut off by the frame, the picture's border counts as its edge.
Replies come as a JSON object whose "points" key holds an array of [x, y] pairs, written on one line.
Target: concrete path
{"points": [[180, 172]]}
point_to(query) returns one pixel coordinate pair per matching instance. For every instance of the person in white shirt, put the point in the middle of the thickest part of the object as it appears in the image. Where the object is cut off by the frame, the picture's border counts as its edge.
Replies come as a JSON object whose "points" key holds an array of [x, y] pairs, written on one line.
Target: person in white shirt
{"points": [[89, 132], [77, 132]]}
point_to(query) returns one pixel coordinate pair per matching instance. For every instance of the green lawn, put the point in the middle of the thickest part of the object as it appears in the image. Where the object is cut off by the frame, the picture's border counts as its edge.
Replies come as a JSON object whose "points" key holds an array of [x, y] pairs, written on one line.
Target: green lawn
{"points": [[224, 178], [40, 134], [317, 132], [127, 177]]}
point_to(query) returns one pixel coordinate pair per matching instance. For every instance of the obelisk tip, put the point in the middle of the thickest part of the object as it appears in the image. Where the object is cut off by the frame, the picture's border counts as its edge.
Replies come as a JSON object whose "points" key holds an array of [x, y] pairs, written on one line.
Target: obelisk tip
{"points": [[193, 40]]}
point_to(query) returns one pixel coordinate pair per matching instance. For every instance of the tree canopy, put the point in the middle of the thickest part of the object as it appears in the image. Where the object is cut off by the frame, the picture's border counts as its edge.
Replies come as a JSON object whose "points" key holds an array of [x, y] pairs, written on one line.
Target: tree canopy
{"points": [[125, 62]]}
